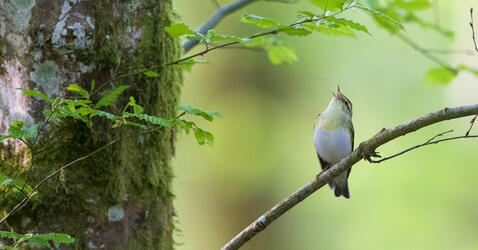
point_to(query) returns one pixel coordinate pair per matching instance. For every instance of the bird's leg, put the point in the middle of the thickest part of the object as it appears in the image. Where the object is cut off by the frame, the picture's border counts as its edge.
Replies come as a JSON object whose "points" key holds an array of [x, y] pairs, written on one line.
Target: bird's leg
{"points": [[323, 170]]}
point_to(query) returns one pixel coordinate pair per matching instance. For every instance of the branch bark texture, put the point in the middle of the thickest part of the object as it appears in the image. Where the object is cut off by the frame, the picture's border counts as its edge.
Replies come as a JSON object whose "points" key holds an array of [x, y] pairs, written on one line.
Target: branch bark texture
{"points": [[365, 149]]}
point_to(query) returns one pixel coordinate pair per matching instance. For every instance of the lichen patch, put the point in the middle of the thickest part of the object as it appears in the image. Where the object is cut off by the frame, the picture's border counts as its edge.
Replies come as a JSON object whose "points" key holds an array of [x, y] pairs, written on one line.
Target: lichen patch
{"points": [[15, 104], [115, 213]]}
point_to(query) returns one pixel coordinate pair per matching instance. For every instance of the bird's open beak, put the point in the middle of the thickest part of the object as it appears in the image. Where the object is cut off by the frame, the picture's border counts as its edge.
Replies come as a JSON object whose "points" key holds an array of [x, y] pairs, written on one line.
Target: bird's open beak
{"points": [[339, 94]]}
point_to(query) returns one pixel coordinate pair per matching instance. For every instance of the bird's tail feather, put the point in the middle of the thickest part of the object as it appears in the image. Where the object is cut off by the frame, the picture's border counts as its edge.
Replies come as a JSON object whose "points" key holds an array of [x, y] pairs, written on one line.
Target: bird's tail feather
{"points": [[340, 190]]}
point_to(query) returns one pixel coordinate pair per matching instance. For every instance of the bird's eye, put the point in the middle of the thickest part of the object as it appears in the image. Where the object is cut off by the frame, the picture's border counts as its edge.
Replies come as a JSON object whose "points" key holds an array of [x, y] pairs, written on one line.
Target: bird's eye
{"points": [[347, 104]]}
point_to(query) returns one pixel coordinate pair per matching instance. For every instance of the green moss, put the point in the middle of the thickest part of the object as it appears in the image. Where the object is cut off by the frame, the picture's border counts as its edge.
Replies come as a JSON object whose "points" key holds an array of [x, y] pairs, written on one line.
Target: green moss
{"points": [[107, 38], [134, 173], [11, 165]]}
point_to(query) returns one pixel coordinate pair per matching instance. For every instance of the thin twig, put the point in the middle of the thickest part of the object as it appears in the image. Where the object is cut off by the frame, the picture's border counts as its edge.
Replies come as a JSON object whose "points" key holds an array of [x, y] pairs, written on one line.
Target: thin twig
{"points": [[452, 51], [365, 148], [216, 4], [471, 125], [472, 122], [24, 142], [179, 116], [32, 148], [32, 192], [41, 128], [473, 29], [425, 52], [64, 16], [430, 141], [253, 49], [421, 145]]}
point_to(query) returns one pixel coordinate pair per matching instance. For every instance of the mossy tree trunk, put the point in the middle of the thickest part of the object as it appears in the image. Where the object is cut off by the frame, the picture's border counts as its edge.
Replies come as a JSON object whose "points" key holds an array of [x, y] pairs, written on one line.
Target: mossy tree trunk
{"points": [[120, 198]]}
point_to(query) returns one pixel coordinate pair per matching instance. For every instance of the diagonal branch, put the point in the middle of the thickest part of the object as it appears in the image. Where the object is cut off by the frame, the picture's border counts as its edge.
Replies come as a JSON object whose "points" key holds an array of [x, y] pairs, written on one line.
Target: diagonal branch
{"points": [[364, 149], [215, 19], [425, 52]]}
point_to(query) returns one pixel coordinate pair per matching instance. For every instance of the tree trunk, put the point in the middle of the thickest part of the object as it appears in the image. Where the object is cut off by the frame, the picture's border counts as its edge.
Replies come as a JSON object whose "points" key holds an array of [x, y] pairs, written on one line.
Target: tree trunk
{"points": [[120, 198]]}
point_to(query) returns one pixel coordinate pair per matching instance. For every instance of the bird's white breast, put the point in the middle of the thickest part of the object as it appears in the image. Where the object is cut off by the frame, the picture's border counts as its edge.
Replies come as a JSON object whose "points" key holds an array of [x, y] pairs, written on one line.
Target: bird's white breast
{"points": [[333, 145]]}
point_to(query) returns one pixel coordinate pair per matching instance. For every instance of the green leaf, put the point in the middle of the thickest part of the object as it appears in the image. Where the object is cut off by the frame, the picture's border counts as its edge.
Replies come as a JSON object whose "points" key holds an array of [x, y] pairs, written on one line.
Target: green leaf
{"points": [[76, 88], [278, 50], [263, 22], [57, 238], [36, 93], [468, 68], [307, 14], [374, 4], [195, 111], [151, 119], [379, 14], [17, 132], [349, 23], [111, 96], [179, 29], [77, 102], [136, 108], [212, 36], [411, 5], [203, 136], [11, 235], [136, 124], [103, 114], [282, 53], [330, 29], [185, 125], [150, 73], [9, 247], [440, 75], [7, 182], [17, 124], [92, 85], [294, 31], [5, 137], [331, 5], [39, 239], [186, 65]]}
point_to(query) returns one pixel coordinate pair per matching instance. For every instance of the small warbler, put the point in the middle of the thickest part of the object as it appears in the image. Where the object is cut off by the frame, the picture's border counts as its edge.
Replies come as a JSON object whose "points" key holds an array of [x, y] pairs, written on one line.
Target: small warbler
{"points": [[334, 139]]}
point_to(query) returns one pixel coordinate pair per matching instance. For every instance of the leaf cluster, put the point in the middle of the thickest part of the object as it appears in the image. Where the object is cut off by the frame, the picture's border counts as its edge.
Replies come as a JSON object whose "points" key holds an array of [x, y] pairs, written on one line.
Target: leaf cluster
{"points": [[390, 15], [84, 109], [278, 50], [37, 240], [17, 189]]}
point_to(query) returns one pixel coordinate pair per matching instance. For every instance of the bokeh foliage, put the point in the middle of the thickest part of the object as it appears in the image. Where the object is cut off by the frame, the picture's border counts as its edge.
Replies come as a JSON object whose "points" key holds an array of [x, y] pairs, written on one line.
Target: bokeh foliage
{"points": [[263, 149]]}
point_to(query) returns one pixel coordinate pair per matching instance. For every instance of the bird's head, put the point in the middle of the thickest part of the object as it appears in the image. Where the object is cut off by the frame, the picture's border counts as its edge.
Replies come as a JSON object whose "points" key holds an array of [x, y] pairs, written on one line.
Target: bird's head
{"points": [[341, 102]]}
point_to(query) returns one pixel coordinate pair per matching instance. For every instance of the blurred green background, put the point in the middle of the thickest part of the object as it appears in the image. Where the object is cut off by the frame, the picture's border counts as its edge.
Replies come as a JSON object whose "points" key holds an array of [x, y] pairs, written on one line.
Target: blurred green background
{"points": [[263, 148]]}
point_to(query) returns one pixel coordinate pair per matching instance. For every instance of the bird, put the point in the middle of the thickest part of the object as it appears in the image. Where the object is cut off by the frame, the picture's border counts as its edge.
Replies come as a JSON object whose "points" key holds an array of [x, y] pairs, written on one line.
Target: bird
{"points": [[334, 139]]}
